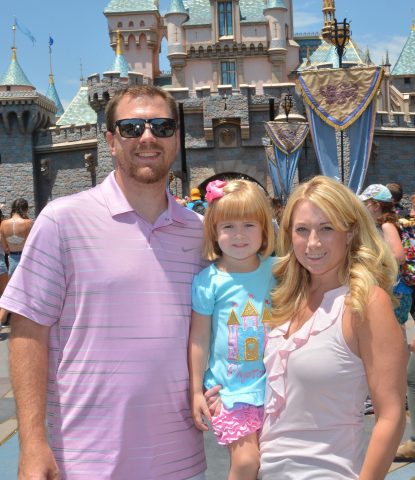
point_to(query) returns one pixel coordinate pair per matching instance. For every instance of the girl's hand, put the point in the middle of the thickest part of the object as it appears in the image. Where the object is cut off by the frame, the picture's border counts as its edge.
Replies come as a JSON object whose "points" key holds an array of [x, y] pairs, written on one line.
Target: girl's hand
{"points": [[213, 400], [200, 412]]}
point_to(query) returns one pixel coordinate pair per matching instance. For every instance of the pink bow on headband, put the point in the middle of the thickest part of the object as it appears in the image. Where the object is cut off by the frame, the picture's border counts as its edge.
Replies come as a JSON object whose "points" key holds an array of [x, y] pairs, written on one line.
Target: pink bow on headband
{"points": [[214, 190]]}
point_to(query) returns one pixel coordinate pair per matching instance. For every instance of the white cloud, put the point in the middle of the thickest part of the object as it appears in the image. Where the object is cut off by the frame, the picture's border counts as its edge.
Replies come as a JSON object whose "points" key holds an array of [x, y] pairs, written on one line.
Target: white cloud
{"points": [[306, 21], [378, 47]]}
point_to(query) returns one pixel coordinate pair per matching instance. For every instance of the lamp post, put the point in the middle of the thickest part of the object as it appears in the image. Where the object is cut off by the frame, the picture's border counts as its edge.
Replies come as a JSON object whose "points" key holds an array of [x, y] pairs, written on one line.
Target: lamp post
{"points": [[339, 37], [287, 104]]}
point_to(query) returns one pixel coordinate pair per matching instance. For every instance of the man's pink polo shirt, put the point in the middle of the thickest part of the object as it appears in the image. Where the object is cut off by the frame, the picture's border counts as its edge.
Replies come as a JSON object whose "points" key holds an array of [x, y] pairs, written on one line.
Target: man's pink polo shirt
{"points": [[116, 292]]}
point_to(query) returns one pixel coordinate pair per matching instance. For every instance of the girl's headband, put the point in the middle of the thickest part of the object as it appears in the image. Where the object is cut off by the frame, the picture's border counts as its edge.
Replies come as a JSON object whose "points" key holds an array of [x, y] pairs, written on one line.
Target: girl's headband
{"points": [[214, 190]]}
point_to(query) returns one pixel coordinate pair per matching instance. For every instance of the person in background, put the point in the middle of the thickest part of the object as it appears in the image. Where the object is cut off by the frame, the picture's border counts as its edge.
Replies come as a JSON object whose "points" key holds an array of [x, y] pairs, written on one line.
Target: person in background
{"points": [[230, 302], [98, 346], [15, 231], [335, 338], [196, 203], [397, 195], [378, 200], [406, 451]]}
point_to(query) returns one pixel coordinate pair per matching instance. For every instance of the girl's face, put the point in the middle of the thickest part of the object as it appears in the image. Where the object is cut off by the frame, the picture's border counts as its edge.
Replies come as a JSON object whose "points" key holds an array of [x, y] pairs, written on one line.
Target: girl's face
{"points": [[240, 242], [374, 209], [318, 247]]}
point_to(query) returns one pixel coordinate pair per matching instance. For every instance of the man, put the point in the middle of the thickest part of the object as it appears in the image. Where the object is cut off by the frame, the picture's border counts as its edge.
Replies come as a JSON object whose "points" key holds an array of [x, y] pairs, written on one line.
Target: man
{"points": [[101, 302]]}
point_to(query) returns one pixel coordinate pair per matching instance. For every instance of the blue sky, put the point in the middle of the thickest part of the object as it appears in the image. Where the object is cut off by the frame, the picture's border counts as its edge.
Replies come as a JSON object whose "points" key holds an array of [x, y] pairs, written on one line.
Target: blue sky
{"points": [[80, 34]]}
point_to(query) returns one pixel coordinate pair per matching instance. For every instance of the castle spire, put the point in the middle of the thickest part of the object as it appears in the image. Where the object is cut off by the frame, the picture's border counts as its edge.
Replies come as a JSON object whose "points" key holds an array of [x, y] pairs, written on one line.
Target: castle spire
{"points": [[120, 63], [329, 13]]}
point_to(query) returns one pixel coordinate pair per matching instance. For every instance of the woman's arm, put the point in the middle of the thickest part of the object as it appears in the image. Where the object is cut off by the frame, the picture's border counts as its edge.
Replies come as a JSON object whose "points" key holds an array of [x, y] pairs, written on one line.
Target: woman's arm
{"points": [[392, 238], [4, 243], [198, 356], [383, 350]]}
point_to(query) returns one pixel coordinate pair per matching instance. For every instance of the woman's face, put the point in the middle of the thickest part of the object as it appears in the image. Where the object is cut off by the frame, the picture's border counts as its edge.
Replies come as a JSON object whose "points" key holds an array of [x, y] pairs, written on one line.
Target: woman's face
{"points": [[317, 245]]}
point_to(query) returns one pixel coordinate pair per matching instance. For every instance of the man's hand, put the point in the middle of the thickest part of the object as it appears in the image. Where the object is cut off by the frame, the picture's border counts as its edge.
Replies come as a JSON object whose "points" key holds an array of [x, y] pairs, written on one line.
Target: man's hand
{"points": [[38, 463], [213, 400]]}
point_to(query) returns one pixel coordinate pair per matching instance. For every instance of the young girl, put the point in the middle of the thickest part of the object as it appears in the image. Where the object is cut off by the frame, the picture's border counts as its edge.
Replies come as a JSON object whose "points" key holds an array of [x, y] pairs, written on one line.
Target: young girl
{"points": [[231, 310]]}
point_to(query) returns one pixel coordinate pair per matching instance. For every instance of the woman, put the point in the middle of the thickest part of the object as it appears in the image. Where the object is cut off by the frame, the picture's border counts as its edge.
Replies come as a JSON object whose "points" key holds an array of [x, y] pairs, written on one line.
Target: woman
{"points": [[378, 200], [335, 339], [15, 231]]}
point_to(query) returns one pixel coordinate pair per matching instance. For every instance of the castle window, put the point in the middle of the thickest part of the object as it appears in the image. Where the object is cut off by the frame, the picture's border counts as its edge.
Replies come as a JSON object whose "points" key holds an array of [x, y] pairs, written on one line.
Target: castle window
{"points": [[228, 73], [225, 18], [119, 25], [142, 24], [131, 24], [406, 80]]}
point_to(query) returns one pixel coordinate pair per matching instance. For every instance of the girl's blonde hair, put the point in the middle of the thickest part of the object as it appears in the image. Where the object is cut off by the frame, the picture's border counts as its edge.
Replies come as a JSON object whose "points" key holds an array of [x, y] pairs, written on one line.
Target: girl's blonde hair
{"points": [[241, 200], [368, 260]]}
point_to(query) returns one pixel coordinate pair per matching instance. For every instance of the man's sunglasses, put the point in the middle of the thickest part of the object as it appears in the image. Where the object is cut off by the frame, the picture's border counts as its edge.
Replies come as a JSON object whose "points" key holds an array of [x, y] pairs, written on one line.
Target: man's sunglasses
{"points": [[135, 127]]}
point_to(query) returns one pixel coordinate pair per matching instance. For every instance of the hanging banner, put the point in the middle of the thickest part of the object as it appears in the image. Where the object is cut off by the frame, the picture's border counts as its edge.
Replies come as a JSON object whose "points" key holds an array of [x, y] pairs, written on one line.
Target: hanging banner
{"points": [[287, 136], [273, 171], [342, 103], [340, 96], [287, 139]]}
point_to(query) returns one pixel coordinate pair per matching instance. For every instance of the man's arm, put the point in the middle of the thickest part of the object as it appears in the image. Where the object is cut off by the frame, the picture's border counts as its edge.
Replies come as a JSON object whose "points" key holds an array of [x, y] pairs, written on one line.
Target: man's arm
{"points": [[28, 360]]}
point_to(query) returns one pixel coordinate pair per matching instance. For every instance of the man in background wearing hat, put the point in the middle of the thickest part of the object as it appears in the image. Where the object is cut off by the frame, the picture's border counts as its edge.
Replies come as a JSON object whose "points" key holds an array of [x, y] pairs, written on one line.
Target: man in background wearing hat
{"points": [[196, 201]]}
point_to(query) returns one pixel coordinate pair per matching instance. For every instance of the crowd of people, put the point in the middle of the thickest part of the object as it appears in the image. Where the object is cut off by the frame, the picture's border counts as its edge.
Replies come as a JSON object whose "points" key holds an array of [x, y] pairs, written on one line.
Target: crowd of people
{"points": [[199, 319]]}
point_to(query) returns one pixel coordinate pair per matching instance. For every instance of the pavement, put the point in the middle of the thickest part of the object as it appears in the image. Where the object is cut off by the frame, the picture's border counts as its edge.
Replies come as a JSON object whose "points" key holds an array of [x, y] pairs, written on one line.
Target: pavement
{"points": [[217, 457]]}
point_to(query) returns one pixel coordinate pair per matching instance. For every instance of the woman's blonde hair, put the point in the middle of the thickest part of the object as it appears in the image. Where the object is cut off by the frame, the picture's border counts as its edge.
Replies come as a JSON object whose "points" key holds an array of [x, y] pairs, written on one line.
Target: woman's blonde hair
{"points": [[241, 200], [368, 260]]}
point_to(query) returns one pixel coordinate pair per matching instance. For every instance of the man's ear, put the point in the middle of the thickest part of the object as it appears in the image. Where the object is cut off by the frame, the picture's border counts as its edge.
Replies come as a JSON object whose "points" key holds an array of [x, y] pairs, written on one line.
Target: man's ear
{"points": [[110, 141]]}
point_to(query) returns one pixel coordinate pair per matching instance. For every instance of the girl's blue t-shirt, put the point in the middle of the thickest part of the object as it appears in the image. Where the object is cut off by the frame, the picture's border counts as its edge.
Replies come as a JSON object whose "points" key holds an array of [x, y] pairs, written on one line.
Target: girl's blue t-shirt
{"points": [[240, 307]]}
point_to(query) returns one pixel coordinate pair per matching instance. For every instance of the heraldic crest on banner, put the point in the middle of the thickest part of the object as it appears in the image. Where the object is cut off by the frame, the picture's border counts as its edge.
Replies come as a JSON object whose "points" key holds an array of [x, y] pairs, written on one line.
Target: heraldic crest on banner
{"points": [[340, 96]]}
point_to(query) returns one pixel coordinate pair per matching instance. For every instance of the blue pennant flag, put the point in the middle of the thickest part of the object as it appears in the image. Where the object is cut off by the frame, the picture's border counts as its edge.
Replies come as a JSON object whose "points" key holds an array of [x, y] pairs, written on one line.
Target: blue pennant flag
{"points": [[50, 41], [25, 31]]}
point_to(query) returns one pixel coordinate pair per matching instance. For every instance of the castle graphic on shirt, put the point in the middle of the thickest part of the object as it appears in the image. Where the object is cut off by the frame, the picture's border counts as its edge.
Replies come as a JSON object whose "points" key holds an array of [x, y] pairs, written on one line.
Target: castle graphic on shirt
{"points": [[248, 333]]}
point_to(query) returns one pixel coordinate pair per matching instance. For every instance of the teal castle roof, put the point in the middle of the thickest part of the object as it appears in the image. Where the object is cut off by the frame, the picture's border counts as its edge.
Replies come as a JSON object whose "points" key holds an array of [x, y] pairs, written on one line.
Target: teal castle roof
{"points": [[200, 13], [52, 94], [79, 112], [176, 6], [276, 4], [15, 74], [406, 61], [326, 54], [121, 6]]}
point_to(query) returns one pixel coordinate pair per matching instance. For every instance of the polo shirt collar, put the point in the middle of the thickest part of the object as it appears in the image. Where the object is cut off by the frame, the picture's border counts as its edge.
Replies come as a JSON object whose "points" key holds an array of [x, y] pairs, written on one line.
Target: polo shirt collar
{"points": [[118, 204]]}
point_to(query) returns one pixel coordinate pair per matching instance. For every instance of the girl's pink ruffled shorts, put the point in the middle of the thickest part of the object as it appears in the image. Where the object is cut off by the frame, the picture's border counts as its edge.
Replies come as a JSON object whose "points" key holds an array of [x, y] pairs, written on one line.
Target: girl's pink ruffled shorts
{"points": [[237, 422]]}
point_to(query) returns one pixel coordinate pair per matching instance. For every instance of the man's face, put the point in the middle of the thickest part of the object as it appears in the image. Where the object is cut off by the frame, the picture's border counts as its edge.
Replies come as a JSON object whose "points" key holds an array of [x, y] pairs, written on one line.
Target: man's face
{"points": [[146, 159]]}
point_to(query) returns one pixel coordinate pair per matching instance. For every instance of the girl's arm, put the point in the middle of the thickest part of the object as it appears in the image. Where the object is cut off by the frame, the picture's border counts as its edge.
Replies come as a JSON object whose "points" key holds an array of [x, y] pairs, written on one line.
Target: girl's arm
{"points": [[198, 356], [383, 350], [392, 238]]}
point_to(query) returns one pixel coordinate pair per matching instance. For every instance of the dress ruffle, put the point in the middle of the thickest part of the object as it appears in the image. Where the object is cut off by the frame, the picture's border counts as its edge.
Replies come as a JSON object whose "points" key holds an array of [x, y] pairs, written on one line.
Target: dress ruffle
{"points": [[238, 422], [279, 349]]}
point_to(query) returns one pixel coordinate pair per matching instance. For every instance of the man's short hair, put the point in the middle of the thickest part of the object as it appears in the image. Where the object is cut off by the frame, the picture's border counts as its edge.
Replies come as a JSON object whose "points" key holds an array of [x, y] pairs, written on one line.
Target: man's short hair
{"points": [[139, 91]]}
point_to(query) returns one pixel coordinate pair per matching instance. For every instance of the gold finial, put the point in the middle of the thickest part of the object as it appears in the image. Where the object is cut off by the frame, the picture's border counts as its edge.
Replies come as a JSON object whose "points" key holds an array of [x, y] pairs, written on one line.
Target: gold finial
{"points": [[51, 79], [14, 57], [119, 43]]}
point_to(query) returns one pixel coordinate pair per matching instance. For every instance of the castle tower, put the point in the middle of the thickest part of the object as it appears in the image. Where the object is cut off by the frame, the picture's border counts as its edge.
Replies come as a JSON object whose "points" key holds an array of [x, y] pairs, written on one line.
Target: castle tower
{"points": [[22, 111], [139, 26], [51, 92], [329, 13], [174, 19], [276, 12]]}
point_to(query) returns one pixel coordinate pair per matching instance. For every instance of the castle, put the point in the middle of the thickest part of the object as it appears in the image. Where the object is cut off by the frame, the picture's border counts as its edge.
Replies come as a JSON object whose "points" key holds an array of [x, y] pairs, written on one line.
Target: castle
{"points": [[232, 61]]}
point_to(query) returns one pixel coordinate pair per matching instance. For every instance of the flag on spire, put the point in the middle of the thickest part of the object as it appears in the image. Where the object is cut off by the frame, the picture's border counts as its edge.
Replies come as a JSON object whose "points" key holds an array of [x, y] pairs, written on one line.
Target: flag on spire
{"points": [[25, 31]]}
